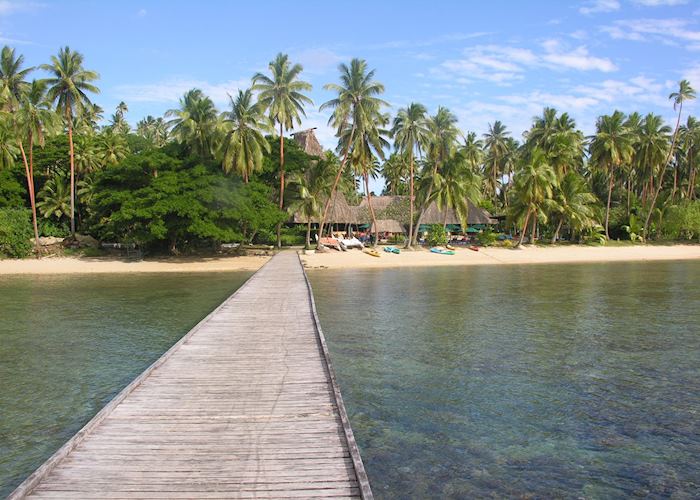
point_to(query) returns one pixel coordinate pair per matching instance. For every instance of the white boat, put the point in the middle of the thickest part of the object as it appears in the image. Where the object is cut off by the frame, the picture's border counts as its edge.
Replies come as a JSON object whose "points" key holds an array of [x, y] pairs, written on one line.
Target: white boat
{"points": [[348, 243]]}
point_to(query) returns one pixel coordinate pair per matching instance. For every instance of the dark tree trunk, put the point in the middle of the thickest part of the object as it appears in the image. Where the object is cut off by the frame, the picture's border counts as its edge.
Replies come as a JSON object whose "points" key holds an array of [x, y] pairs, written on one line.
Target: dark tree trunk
{"points": [[409, 241], [279, 225], [611, 184], [522, 232]]}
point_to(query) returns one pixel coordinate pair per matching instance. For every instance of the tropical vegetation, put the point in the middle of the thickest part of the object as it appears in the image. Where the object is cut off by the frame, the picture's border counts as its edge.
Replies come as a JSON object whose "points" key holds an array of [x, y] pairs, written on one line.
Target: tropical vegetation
{"points": [[199, 176]]}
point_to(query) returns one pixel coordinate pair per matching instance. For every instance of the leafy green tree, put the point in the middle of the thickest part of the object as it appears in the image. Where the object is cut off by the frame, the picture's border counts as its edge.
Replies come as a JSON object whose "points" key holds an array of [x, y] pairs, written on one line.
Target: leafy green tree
{"points": [[610, 147], [282, 95], [111, 148], [496, 145], [411, 135], [356, 104], [245, 144], [15, 232], [68, 87], [13, 78], [396, 171], [456, 185], [573, 204], [155, 130]]}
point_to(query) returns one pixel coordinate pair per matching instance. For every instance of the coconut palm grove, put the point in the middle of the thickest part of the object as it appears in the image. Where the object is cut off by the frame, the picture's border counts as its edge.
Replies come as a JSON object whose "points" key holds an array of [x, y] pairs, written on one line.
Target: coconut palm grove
{"points": [[200, 176]]}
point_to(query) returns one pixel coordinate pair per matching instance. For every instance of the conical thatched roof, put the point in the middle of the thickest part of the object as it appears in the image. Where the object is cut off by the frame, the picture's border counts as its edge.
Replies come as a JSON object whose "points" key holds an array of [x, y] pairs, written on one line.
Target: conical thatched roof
{"points": [[388, 226], [308, 142]]}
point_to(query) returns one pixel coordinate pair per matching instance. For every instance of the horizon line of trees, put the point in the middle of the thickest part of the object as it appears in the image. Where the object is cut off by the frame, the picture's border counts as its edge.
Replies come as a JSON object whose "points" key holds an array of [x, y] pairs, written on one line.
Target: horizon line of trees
{"points": [[635, 177]]}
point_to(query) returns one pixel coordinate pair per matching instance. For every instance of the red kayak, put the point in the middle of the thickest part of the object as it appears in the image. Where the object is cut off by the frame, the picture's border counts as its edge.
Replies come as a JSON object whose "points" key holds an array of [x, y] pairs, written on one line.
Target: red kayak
{"points": [[476, 249]]}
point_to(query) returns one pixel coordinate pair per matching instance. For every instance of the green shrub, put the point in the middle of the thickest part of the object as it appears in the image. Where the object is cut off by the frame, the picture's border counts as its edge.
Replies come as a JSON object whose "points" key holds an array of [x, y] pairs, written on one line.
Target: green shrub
{"points": [[49, 227], [682, 222], [437, 235], [397, 239], [487, 238], [15, 232]]}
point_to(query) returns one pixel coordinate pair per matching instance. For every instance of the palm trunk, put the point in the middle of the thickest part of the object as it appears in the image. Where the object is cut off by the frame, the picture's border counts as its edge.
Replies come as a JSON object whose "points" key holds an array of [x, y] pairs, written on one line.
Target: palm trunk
{"points": [[72, 171], [425, 204], [663, 172], [279, 225], [629, 196], [607, 209], [444, 220], [335, 186], [409, 241], [371, 210], [522, 232], [308, 233], [556, 233], [533, 235], [675, 183], [32, 201]]}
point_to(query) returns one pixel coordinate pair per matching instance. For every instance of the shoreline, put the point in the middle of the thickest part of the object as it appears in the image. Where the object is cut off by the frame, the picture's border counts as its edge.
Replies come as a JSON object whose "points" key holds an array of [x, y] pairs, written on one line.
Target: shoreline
{"points": [[355, 259], [98, 265]]}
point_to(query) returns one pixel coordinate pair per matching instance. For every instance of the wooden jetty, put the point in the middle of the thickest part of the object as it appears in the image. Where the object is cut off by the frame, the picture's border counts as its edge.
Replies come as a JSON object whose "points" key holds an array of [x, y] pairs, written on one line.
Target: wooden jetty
{"points": [[245, 405]]}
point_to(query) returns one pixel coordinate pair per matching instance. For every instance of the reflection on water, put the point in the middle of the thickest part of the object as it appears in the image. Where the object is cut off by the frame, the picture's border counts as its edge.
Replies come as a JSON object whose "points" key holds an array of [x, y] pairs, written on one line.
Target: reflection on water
{"points": [[521, 381], [68, 344]]}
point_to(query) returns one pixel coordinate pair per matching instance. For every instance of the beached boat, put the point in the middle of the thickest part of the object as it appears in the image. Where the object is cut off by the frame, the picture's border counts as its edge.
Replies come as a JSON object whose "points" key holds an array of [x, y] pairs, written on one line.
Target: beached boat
{"points": [[442, 251], [333, 243], [474, 248], [449, 247], [372, 252], [392, 250], [348, 243]]}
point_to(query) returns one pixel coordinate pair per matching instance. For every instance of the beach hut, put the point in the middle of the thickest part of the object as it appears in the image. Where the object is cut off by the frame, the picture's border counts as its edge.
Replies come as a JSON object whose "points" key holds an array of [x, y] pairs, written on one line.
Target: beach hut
{"points": [[388, 227], [308, 142]]}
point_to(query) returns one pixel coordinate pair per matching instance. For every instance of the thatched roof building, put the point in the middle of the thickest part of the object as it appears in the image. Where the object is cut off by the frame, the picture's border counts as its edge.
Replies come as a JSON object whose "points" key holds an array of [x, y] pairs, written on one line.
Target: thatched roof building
{"points": [[308, 142], [388, 226], [476, 215], [340, 212]]}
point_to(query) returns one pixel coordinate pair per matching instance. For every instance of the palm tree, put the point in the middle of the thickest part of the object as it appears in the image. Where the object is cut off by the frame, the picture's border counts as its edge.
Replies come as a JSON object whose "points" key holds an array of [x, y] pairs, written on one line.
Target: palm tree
{"points": [[496, 143], [194, 123], [411, 133], [34, 118], [312, 186], [395, 171], [155, 130], [441, 146], [13, 83], [690, 138], [573, 203], [283, 97], [356, 104], [55, 197], [534, 185], [610, 147], [69, 85], [245, 143], [8, 146], [455, 186], [685, 93], [111, 148]]}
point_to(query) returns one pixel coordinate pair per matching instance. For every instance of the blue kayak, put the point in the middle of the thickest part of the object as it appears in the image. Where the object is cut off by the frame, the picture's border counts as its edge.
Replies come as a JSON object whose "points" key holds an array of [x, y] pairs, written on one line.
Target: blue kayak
{"points": [[392, 250], [442, 251]]}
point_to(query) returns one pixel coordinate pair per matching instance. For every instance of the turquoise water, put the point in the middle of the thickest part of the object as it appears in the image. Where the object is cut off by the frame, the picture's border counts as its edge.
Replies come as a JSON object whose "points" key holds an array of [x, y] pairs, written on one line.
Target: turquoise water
{"points": [[557, 381], [68, 344]]}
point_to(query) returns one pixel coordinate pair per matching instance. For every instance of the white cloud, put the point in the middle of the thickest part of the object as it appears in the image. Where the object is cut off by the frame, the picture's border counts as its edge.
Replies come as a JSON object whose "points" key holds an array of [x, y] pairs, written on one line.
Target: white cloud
{"points": [[142, 13], [8, 7], [404, 44], [317, 60], [659, 3], [504, 64], [596, 6], [669, 31], [170, 91]]}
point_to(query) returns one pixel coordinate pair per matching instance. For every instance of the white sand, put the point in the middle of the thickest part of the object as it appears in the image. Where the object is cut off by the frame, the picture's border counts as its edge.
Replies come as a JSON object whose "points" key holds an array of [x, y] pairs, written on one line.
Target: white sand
{"points": [[496, 256], [77, 265]]}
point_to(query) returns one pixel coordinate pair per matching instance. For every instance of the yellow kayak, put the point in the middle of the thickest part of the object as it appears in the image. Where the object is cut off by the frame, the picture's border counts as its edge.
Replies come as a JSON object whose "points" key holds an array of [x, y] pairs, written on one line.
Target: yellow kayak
{"points": [[450, 247], [372, 252]]}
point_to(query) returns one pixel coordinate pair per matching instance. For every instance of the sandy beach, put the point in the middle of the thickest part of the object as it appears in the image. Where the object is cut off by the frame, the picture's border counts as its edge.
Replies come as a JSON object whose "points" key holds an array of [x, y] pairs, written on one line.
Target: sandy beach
{"points": [[78, 265], [501, 256]]}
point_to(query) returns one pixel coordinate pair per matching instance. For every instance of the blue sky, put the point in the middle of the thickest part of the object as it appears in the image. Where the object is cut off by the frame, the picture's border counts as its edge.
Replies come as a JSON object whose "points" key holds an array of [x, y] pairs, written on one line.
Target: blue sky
{"points": [[484, 60]]}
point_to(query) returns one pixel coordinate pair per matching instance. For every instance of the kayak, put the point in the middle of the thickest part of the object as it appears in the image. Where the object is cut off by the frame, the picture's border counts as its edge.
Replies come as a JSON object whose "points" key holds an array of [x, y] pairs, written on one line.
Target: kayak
{"points": [[372, 252], [449, 247], [442, 251], [392, 250], [476, 249]]}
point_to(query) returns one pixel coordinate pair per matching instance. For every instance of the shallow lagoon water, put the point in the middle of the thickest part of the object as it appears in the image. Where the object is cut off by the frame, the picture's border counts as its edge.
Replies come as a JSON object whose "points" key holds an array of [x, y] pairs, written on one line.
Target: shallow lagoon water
{"points": [[69, 344], [537, 381]]}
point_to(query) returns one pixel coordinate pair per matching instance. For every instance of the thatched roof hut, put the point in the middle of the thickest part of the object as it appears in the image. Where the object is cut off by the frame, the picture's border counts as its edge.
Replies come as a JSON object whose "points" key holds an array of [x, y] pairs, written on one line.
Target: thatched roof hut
{"points": [[476, 215], [308, 142], [340, 212], [388, 226]]}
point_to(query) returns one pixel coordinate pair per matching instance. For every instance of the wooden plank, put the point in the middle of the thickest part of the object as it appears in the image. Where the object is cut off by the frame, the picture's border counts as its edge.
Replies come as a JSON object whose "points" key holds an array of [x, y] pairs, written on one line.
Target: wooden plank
{"points": [[246, 405]]}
